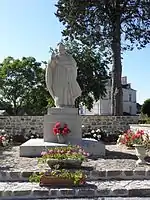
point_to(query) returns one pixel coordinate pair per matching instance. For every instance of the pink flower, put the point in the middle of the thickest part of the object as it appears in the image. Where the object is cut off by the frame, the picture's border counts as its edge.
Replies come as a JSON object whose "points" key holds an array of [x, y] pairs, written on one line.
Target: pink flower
{"points": [[43, 153], [57, 125], [50, 151], [87, 154]]}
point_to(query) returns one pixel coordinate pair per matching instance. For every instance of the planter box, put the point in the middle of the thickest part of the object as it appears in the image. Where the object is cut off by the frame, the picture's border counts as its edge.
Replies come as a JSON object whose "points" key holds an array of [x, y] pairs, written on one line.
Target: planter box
{"points": [[144, 127], [55, 181], [64, 163]]}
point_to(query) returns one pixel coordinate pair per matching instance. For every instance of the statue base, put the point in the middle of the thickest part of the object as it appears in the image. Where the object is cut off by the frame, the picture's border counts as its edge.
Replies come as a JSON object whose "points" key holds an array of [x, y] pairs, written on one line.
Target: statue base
{"points": [[70, 116], [67, 115], [34, 147]]}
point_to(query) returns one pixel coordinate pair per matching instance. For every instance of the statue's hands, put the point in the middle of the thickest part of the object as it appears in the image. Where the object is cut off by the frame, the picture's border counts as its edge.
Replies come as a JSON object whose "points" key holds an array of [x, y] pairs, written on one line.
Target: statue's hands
{"points": [[53, 56]]}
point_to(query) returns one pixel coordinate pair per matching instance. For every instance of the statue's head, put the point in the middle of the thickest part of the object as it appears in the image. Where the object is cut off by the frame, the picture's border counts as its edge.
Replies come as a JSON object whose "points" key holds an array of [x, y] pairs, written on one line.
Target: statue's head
{"points": [[61, 48]]}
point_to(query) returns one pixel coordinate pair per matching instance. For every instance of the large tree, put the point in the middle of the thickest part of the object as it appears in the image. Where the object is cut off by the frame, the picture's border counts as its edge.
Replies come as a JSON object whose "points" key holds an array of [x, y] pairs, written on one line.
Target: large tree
{"points": [[22, 86], [92, 72], [114, 24]]}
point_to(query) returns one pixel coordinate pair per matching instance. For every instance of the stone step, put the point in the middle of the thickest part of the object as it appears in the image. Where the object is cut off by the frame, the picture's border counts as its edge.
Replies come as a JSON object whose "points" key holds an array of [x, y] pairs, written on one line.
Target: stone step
{"points": [[134, 188], [96, 198], [91, 175]]}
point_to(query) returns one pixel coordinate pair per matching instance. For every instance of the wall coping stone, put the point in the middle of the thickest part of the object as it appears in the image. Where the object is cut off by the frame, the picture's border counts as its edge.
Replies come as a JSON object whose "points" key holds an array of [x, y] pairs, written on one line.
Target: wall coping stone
{"points": [[91, 175]]}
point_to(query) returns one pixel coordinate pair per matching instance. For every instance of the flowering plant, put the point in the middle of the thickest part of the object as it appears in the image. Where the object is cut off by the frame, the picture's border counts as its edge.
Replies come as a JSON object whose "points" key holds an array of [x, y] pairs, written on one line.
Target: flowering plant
{"points": [[64, 153], [78, 177], [3, 140], [100, 134], [57, 130], [126, 138], [141, 138], [131, 138]]}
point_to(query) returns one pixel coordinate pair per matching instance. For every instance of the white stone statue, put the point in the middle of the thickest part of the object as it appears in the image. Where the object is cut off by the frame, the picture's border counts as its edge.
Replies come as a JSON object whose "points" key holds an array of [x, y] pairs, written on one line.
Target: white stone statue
{"points": [[61, 74]]}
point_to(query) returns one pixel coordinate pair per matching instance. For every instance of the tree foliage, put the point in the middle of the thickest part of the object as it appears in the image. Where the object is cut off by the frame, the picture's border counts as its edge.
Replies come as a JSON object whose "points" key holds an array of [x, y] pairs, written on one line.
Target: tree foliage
{"points": [[92, 72], [146, 107], [22, 86], [116, 25]]}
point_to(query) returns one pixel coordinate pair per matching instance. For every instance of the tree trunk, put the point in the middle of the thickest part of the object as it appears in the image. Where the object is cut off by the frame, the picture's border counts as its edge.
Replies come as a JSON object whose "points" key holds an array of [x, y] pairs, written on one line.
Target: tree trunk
{"points": [[116, 90]]}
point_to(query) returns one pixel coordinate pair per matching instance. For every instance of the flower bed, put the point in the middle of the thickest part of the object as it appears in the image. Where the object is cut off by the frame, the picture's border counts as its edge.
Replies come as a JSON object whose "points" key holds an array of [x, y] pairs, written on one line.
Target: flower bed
{"points": [[4, 139], [59, 178], [100, 134], [69, 156], [58, 158]]}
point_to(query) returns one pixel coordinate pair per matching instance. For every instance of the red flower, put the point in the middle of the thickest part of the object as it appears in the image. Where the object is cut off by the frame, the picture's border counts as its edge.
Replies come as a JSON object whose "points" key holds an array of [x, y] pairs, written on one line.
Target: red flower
{"points": [[58, 130], [65, 131], [55, 130], [57, 125], [65, 126], [141, 132]]}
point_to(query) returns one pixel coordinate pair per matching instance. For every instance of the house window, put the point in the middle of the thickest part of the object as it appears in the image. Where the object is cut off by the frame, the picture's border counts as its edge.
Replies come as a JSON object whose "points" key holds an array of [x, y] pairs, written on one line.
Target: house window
{"points": [[109, 94], [130, 109], [130, 97]]}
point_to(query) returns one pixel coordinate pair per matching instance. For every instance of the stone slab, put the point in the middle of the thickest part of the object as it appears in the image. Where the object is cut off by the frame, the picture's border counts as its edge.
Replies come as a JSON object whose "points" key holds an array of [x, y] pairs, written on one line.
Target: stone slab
{"points": [[34, 147], [91, 189]]}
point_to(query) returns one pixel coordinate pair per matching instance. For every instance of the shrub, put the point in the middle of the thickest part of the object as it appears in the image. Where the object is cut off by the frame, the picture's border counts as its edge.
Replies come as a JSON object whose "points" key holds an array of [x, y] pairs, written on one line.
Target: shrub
{"points": [[146, 107], [100, 134]]}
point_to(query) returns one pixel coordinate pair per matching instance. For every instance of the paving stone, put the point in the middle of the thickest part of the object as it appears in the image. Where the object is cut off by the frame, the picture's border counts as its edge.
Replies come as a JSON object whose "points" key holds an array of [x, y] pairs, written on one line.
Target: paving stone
{"points": [[139, 192], [86, 192], [68, 192], [139, 173], [7, 193], [3, 174], [120, 192], [26, 174], [15, 175], [41, 193], [21, 193], [148, 173], [103, 192], [114, 173], [98, 174], [128, 172], [54, 193]]}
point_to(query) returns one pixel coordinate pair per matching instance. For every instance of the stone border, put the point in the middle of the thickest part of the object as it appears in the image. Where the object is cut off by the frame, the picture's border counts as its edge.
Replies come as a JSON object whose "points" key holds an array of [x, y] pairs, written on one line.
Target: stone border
{"points": [[91, 175], [30, 191]]}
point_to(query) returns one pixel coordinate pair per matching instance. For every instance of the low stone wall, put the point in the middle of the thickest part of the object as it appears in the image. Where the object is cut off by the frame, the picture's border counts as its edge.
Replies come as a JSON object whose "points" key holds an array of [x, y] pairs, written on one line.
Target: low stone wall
{"points": [[34, 124], [144, 127]]}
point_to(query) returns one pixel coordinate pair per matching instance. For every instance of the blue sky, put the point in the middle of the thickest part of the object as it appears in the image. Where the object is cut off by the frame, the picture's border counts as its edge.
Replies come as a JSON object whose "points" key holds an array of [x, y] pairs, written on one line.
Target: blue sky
{"points": [[29, 28]]}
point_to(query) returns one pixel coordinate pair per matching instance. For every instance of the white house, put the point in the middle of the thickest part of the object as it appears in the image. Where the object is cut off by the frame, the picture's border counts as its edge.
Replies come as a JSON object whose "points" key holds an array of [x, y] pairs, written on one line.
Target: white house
{"points": [[103, 106]]}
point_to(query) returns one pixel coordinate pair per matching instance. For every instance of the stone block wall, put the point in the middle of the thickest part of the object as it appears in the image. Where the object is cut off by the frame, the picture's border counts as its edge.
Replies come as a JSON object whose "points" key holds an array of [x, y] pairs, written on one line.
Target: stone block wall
{"points": [[34, 124]]}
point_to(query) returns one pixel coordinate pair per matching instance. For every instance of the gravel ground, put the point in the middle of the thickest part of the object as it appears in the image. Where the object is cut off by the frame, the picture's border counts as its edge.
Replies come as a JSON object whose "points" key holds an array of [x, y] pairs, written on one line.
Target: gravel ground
{"points": [[116, 158]]}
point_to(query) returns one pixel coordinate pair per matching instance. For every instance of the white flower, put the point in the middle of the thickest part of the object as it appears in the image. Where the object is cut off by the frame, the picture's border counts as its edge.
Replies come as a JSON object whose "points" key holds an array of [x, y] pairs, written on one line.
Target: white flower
{"points": [[94, 135], [99, 136], [92, 131], [98, 130], [82, 126]]}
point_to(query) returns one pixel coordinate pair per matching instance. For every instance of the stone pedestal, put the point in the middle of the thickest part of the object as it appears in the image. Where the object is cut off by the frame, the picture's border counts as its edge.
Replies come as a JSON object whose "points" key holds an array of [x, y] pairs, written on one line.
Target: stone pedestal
{"points": [[69, 116], [34, 147]]}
